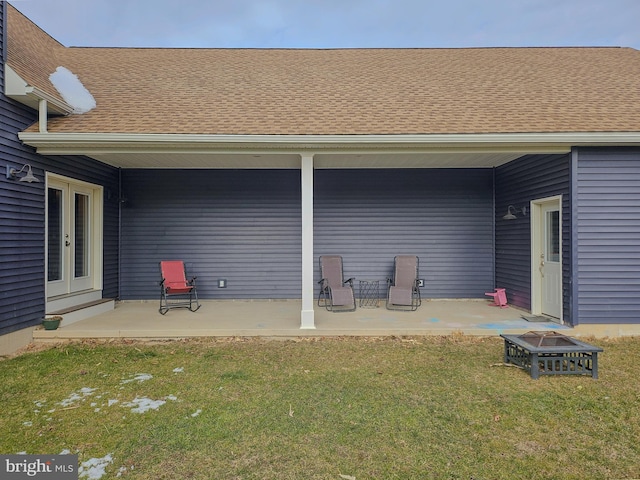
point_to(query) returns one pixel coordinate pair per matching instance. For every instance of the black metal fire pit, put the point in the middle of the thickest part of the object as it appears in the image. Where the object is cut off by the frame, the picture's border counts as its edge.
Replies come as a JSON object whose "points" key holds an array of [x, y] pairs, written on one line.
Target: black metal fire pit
{"points": [[551, 353]]}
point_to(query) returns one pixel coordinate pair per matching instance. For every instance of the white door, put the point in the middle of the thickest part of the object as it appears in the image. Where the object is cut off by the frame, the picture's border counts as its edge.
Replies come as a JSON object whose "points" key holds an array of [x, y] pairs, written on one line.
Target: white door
{"points": [[70, 227], [550, 261]]}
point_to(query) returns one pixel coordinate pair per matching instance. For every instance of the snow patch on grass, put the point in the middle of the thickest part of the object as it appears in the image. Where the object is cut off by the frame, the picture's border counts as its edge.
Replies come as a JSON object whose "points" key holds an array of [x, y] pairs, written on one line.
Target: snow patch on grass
{"points": [[76, 397], [140, 377], [142, 405], [95, 468]]}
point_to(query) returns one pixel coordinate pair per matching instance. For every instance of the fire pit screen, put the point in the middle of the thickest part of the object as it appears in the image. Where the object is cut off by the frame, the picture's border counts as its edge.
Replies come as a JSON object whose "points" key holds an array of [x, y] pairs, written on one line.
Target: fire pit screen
{"points": [[547, 339], [551, 353]]}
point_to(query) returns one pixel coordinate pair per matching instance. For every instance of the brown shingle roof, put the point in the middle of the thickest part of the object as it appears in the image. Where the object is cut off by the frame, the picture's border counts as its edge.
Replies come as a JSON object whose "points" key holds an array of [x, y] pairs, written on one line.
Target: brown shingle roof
{"points": [[351, 91], [32, 53]]}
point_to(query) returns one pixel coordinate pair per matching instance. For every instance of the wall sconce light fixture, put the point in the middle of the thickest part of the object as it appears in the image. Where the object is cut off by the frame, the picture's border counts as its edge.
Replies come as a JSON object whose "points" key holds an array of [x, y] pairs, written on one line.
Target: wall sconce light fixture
{"points": [[513, 211], [29, 177]]}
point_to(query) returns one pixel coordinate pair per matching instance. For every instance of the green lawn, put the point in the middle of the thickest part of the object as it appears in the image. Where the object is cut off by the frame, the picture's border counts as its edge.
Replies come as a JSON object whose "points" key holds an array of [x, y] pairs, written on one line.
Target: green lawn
{"points": [[410, 408]]}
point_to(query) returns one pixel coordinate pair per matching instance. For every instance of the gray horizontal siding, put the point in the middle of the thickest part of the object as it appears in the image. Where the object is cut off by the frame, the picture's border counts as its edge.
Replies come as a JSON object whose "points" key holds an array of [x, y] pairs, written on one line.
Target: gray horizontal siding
{"points": [[22, 220], [245, 226], [241, 225], [22, 232], [607, 207], [21, 227], [518, 183], [443, 216]]}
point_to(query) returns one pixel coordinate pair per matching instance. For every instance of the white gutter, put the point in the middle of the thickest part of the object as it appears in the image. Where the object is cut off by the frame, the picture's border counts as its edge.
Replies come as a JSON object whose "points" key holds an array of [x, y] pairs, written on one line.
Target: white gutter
{"points": [[18, 89], [99, 143], [60, 107]]}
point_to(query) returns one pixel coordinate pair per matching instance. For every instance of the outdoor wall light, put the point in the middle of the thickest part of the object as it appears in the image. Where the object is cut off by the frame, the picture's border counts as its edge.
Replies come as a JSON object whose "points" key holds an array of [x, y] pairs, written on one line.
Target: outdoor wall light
{"points": [[513, 211], [29, 177]]}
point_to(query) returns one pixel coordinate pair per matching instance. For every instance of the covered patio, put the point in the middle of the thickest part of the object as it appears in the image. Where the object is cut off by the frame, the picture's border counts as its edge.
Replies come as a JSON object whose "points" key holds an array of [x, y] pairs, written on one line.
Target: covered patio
{"points": [[281, 318], [260, 221]]}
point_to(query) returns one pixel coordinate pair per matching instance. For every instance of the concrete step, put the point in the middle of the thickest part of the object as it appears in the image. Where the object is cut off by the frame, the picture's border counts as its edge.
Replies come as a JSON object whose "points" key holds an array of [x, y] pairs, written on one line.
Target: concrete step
{"points": [[83, 311]]}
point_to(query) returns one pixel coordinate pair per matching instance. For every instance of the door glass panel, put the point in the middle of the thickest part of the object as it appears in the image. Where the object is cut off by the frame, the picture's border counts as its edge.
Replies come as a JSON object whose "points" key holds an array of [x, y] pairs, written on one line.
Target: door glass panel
{"points": [[81, 235], [55, 235], [553, 236]]}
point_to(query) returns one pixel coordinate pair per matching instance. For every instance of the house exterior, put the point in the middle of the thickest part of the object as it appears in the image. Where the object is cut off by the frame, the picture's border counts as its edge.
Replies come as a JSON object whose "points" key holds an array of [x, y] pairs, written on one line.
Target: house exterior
{"points": [[249, 164]]}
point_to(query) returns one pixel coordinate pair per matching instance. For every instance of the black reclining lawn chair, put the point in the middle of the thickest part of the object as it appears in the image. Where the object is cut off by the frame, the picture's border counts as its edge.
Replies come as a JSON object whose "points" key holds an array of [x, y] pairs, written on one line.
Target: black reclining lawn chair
{"points": [[404, 287], [336, 293], [175, 290]]}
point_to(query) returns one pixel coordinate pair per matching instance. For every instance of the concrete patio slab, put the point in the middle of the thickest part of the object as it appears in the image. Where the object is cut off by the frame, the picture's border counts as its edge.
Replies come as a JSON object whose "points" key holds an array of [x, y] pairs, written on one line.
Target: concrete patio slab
{"points": [[281, 318]]}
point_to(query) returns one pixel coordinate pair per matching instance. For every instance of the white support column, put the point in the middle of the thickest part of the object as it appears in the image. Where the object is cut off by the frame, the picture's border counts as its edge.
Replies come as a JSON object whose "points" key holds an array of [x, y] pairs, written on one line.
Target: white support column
{"points": [[307, 315]]}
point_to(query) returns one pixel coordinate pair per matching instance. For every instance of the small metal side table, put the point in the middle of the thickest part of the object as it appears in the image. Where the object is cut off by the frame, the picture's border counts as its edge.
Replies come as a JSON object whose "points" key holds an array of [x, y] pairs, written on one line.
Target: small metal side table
{"points": [[368, 293]]}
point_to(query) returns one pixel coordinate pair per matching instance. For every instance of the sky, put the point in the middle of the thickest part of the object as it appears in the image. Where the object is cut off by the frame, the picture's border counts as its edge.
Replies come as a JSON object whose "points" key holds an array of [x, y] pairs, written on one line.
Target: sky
{"points": [[337, 23]]}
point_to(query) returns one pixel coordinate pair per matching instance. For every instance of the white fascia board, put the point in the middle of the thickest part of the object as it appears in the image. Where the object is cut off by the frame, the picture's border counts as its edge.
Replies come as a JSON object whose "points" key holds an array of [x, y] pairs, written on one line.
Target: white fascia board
{"points": [[18, 89], [92, 143]]}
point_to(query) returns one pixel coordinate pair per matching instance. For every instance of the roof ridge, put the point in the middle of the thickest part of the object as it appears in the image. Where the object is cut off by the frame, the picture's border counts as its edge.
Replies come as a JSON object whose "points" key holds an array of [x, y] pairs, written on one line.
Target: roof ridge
{"points": [[32, 52], [330, 49], [15, 10]]}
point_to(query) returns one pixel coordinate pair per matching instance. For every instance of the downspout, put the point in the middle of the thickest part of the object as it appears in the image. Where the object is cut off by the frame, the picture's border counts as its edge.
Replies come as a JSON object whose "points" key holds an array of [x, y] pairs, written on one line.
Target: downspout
{"points": [[574, 278], [42, 115], [119, 232], [493, 229]]}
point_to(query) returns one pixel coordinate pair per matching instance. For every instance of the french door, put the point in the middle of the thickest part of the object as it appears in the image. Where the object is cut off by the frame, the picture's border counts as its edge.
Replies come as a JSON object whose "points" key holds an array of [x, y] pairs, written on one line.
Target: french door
{"points": [[72, 216]]}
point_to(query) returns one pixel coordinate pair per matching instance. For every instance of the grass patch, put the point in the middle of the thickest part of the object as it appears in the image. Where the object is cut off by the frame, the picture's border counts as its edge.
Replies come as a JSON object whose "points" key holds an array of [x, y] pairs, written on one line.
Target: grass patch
{"points": [[410, 408]]}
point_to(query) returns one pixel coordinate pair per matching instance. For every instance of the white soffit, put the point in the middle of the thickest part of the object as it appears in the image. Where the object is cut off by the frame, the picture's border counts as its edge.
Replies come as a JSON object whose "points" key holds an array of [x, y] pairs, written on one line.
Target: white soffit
{"points": [[198, 160], [337, 160], [415, 160]]}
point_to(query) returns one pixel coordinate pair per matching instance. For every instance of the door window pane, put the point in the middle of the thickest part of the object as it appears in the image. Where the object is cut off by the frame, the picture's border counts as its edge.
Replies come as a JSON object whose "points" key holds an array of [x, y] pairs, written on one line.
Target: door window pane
{"points": [[553, 236], [55, 235], [81, 235]]}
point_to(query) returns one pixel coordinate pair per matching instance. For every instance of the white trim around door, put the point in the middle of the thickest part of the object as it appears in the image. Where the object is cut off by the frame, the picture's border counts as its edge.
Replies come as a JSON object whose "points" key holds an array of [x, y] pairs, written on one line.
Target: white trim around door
{"points": [[546, 257], [73, 240]]}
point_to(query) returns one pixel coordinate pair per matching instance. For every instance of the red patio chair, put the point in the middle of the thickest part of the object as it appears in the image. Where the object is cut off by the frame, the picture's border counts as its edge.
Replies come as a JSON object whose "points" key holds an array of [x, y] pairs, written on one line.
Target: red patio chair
{"points": [[336, 292], [175, 290], [404, 287]]}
